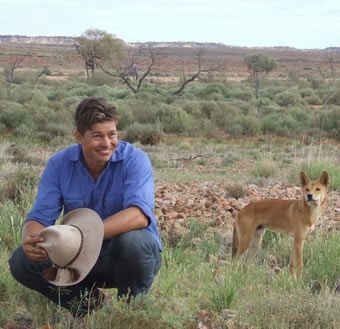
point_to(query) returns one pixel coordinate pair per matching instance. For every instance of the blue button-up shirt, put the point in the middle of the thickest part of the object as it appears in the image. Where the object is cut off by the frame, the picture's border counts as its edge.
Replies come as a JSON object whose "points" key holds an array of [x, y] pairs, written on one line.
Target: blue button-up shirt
{"points": [[66, 184]]}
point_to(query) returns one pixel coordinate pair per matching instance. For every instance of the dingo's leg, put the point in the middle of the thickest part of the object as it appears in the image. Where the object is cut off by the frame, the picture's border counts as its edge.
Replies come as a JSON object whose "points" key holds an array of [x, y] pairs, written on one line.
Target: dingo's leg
{"points": [[296, 257], [256, 244], [245, 240]]}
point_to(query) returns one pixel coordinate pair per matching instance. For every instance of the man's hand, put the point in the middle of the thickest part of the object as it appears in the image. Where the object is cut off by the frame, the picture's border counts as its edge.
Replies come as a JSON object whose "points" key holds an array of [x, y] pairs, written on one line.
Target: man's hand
{"points": [[32, 250], [31, 238]]}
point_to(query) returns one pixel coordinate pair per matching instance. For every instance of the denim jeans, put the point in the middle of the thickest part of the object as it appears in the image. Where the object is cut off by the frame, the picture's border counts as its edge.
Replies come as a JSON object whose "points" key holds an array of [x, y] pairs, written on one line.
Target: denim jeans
{"points": [[128, 262]]}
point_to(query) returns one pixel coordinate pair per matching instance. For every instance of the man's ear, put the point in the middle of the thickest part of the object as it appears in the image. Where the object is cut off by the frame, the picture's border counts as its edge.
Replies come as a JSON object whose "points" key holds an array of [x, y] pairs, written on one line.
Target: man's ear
{"points": [[303, 179], [78, 136]]}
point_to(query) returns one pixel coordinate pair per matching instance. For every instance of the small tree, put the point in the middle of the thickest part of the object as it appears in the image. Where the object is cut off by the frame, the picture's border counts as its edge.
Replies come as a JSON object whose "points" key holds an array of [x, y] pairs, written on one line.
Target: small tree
{"points": [[9, 69], [97, 47], [198, 74], [259, 66], [138, 65], [328, 73]]}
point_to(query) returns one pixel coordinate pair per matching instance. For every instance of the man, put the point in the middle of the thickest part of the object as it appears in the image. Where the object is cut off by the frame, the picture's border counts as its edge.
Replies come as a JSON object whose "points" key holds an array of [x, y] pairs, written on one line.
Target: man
{"points": [[114, 179]]}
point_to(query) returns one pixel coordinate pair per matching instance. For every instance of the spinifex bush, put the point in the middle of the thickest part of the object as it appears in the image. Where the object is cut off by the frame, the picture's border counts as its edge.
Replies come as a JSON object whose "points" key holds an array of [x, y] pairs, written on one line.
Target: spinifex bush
{"points": [[265, 168], [236, 190]]}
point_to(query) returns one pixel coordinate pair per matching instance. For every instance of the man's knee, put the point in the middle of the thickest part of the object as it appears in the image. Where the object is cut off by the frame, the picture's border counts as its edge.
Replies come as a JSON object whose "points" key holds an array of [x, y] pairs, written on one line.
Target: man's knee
{"points": [[23, 269], [135, 243], [16, 264]]}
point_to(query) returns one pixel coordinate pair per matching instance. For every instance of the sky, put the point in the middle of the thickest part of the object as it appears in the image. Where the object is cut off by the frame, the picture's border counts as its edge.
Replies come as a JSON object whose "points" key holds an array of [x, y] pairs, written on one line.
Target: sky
{"points": [[303, 24]]}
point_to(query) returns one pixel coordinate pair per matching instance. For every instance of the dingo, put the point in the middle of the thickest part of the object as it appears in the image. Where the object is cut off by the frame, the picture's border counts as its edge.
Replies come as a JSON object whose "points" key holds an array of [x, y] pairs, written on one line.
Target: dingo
{"points": [[294, 217]]}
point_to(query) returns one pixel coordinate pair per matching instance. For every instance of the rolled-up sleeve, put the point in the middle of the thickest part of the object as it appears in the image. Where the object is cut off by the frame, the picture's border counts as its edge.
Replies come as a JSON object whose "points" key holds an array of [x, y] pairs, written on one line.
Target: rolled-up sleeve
{"points": [[47, 205], [139, 184]]}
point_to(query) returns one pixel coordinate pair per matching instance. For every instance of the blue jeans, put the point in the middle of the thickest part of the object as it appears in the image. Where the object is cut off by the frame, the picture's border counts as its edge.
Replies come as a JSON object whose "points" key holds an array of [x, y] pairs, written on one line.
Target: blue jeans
{"points": [[128, 262]]}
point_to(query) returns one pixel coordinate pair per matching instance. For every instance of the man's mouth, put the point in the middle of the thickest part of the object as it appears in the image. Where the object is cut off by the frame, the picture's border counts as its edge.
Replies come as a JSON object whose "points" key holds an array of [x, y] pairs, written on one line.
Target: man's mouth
{"points": [[104, 152]]}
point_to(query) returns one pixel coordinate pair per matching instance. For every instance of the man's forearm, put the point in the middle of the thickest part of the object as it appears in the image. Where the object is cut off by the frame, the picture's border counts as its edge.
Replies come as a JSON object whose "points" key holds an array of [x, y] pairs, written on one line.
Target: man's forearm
{"points": [[31, 227], [124, 221]]}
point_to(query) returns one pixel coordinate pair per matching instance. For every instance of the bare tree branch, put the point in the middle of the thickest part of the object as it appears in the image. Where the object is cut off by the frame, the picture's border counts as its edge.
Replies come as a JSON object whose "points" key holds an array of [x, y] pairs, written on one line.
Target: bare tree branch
{"points": [[328, 74], [197, 74], [128, 71]]}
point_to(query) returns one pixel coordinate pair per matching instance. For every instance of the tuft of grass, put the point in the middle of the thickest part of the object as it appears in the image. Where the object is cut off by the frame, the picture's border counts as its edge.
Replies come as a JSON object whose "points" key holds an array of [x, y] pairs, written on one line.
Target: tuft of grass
{"points": [[236, 191], [265, 169], [17, 183]]}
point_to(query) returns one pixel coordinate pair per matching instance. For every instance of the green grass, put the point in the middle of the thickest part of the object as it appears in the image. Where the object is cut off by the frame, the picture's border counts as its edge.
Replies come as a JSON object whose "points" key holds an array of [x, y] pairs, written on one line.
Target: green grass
{"points": [[197, 285]]}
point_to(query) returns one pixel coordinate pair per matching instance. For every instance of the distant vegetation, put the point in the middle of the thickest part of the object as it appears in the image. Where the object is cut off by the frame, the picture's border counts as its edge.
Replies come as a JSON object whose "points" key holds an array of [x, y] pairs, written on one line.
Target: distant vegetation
{"points": [[42, 108]]}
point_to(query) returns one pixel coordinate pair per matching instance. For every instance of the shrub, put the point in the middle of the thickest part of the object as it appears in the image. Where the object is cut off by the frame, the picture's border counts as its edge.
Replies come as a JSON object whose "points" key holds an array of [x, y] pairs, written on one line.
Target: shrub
{"points": [[100, 78], [334, 98], [328, 120], [80, 89], [236, 191], [243, 94], [14, 115], [143, 111], [57, 128], [145, 133], [23, 94], [56, 95], [313, 100], [173, 119], [316, 82], [15, 184], [71, 102], [125, 117], [212, 88], [306, 92], [287, 97], [271, 123], [251, 126], [121, 93], [192, 108], [265, 168], [208, 108], [300, 116], [21, 77]]}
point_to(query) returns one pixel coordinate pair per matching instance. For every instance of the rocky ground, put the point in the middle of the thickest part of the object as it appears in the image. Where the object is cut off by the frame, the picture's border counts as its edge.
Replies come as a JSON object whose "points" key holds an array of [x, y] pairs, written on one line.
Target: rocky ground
{"points": [[207, 202]]}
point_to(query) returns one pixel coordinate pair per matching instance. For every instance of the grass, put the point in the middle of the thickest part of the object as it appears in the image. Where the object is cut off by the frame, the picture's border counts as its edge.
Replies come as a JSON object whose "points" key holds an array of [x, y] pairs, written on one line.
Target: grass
{"points": [[197, 286]]}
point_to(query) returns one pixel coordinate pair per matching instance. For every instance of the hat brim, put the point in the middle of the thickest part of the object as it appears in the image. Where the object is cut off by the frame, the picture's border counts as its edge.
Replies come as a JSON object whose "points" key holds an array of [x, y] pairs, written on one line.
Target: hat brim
{"points": [[91, 225]]}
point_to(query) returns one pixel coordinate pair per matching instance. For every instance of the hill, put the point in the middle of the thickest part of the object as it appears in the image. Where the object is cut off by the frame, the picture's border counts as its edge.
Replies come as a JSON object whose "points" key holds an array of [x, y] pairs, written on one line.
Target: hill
{"points": [[58, 53]]}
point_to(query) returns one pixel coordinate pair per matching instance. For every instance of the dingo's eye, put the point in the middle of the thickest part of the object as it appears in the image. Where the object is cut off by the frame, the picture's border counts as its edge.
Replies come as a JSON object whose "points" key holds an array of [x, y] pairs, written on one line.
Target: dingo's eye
{"points": [[318, 189], [307, 189]]}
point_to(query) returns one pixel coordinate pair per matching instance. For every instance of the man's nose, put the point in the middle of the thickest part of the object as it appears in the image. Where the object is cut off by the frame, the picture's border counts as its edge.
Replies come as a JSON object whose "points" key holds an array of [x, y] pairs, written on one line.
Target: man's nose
{"points": [[106, 141]]}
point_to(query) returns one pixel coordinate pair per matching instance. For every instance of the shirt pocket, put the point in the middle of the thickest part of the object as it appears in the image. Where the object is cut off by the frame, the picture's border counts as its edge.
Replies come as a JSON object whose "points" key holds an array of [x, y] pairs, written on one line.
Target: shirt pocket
{"points": [[71, 204], [113, 204]]}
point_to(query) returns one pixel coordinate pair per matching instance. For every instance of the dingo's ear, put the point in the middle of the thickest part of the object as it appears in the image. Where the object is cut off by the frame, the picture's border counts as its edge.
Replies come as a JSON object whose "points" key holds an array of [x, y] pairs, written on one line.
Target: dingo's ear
{"points": [[303, 179], [325, 179]]}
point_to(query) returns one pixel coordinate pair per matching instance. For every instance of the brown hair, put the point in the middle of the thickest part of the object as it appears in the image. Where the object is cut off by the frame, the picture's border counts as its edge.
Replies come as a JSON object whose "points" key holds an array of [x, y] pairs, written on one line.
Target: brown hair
{"points": [[93, 110]]}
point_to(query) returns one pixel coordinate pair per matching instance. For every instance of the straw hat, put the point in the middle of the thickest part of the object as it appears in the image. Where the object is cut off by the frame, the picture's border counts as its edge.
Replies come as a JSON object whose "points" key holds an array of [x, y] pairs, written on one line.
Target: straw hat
{"points": [[73, 246]]}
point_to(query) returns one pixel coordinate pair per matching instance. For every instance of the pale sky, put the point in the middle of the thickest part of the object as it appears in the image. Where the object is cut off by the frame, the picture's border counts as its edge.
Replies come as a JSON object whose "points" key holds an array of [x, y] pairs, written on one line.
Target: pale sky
{"points": [[250, 23]]}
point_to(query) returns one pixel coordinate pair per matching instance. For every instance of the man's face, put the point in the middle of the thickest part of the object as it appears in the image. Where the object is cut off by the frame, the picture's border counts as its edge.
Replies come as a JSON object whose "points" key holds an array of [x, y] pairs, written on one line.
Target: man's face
{"points": [[98, 144]]}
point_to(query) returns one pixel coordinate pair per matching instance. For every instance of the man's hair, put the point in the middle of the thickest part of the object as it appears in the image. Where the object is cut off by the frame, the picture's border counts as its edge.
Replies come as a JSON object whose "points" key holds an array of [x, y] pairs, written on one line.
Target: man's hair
{"points": [[93, 110]]}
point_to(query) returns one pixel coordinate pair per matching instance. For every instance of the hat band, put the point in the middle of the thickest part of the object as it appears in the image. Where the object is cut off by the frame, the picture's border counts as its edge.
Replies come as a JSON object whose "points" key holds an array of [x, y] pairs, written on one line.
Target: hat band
{"points": [[78, 252]]}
